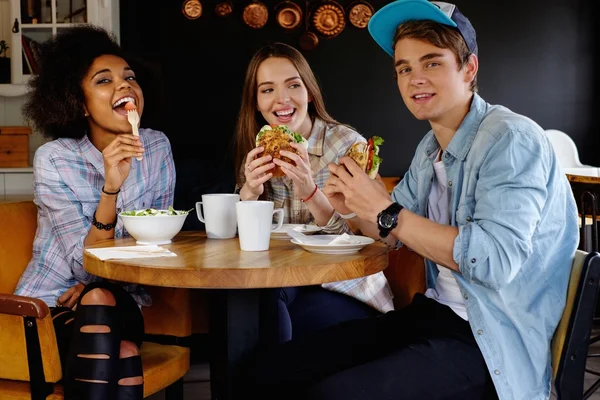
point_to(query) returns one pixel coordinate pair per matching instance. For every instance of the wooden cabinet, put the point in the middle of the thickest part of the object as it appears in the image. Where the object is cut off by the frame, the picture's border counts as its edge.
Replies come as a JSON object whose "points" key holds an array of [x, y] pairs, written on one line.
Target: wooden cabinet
{"points": [[31, 22], [14, 146]]}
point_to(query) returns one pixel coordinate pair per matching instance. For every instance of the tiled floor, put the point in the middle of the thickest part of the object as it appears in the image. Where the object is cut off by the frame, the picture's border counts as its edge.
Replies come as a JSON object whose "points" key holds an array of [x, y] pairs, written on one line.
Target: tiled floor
{"points": [[196, 384], [197, 381]]}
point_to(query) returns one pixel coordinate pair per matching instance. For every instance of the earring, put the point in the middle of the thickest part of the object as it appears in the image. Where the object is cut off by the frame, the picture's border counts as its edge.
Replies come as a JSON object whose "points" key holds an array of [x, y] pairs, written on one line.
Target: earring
{"points": [[86, 114]]}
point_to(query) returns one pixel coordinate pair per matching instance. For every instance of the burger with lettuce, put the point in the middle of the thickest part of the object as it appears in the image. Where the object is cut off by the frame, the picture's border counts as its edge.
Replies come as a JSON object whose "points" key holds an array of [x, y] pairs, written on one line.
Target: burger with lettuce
{"points": [[277, 138], [366, 155]]}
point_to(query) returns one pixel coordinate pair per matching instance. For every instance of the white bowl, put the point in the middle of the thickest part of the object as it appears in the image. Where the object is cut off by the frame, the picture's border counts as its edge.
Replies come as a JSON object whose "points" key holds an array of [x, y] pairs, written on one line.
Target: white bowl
{"points": [[154, 229]]}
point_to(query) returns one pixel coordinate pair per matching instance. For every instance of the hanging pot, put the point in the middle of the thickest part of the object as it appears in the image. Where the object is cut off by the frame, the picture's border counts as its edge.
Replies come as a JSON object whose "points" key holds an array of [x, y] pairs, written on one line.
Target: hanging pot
{"points": [[223, 8], [308, 41], [359, 13], [192, 9], [328, 19], [256, 15], [288, 15]]}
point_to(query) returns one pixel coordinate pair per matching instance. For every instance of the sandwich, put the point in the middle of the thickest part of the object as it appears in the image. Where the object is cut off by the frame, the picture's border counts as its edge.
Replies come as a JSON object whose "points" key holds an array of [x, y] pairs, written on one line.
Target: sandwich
{"points": [[277, 138], [366, 155]]}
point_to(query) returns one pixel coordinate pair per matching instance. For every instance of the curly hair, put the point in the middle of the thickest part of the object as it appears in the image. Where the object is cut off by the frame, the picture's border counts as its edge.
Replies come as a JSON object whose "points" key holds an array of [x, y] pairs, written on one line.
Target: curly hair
{"points": [[55, 102]]}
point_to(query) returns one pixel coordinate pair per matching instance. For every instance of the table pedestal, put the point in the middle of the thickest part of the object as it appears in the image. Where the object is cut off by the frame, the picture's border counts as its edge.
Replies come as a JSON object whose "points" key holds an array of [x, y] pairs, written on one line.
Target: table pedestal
{"points": [[235, 332]]}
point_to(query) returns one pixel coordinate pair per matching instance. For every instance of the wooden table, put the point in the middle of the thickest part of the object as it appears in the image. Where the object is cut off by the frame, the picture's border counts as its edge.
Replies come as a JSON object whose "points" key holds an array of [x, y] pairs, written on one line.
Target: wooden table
{"points": [[220, 264]]}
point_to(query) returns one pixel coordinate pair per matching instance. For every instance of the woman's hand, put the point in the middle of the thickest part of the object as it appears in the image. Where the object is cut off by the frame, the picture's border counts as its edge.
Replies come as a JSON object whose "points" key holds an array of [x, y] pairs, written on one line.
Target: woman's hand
{"points": [[117, 160], [256, 171], [300, 173], [71, 296]]}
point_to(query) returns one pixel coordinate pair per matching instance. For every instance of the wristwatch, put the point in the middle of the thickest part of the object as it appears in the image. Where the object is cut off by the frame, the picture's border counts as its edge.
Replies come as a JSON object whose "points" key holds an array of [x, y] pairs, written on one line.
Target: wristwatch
{"points": [[388, 219]]}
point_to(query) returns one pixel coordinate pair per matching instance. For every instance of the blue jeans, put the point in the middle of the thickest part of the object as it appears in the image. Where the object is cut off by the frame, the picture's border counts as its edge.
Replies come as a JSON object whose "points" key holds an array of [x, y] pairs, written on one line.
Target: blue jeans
{"points": [[306, 309]]}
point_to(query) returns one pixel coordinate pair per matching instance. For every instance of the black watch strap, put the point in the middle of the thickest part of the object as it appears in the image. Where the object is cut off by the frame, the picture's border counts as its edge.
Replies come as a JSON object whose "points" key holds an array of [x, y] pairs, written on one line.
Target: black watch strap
{"points": [[390, 214], [103, 227]]}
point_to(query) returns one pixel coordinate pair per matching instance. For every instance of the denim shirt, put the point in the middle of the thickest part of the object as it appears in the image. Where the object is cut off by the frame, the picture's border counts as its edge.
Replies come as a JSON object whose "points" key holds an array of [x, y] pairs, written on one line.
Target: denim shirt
{"points": [[517, 234]]}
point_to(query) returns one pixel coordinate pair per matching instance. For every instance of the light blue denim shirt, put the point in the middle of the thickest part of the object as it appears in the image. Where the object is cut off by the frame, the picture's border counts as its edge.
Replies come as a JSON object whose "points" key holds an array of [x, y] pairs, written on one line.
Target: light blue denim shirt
{"points": [[517, 222]]}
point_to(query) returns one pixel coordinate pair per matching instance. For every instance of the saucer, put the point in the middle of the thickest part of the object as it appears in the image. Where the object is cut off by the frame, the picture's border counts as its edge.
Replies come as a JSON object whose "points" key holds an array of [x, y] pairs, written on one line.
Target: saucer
{"points": [[320, 244]]}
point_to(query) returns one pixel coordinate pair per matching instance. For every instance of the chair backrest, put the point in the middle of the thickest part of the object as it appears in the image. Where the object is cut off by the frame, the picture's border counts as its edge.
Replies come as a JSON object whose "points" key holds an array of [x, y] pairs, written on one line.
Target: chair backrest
{"points": [[406, 275], [565, 149], [571, 338], [18, 223], [390, 182]]}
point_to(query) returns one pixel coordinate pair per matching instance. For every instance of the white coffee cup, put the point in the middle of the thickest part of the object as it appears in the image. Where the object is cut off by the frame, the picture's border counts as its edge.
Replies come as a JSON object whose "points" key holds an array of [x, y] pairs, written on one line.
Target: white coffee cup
{"points": [[219, 214], [255, 223]]}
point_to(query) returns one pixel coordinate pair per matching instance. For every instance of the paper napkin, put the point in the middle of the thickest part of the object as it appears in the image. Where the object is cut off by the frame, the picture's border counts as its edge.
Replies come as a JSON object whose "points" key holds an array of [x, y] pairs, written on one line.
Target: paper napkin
{"points": [[150, 251], [345, 239]]}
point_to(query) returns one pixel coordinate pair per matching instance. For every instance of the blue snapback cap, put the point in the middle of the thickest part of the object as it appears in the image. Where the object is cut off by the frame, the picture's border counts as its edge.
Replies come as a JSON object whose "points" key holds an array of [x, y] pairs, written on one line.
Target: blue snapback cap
{"points": [[383, 24]]}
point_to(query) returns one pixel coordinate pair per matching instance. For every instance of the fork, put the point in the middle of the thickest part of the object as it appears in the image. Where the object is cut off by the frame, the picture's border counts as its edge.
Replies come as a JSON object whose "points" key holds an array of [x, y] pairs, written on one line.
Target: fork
{"points": [[134, 119]]}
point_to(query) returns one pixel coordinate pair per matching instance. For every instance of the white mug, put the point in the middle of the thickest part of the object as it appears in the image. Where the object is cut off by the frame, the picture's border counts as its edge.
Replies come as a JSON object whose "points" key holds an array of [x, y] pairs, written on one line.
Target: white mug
{"points": [[219, 214], [255, 223]]}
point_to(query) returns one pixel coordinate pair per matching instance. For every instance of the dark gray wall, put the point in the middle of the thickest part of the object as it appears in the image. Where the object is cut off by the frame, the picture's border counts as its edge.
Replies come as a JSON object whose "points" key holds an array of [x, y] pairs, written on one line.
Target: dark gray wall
{"points": [[537, 57]]}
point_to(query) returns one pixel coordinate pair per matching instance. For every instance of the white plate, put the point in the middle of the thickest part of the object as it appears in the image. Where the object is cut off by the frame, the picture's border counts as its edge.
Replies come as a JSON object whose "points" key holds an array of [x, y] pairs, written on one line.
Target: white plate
{"points": [[281, 233], [321, 244]]}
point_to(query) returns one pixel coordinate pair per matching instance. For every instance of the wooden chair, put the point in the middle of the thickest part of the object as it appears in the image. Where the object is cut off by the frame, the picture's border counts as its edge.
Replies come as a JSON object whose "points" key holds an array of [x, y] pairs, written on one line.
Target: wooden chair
{"points": [[390, 182], [29, 363], [406, 269], [571, 340]]}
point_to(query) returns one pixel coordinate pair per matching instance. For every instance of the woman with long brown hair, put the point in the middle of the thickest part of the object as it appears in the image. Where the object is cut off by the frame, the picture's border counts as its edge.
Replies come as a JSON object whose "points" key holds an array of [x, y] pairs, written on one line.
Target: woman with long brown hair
{"points": [[281, 89]]}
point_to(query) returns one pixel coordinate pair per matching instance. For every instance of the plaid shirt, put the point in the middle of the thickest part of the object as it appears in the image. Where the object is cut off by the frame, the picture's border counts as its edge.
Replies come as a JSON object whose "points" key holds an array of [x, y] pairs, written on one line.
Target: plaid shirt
{"points": [[68, 177], [326, 144]]}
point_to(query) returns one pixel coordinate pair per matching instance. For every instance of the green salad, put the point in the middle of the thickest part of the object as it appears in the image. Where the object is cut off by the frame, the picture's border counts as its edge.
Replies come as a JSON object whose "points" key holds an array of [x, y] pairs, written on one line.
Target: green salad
{"points": [[149, 212]]}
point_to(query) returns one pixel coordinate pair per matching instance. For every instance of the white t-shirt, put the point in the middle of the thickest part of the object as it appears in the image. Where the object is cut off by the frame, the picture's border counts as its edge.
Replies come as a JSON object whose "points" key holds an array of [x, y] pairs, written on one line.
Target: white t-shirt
{"points": [[446, 289]]}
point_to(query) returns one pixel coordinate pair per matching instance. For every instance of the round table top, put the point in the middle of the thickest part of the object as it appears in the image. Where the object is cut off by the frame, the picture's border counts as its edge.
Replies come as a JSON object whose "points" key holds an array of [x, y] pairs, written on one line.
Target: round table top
{"points": [[220, 264]]}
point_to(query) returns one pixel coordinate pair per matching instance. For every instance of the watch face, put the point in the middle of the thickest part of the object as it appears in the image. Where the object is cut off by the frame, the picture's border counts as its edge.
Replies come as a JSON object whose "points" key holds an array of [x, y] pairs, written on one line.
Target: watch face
{"points": [[386, 220]]}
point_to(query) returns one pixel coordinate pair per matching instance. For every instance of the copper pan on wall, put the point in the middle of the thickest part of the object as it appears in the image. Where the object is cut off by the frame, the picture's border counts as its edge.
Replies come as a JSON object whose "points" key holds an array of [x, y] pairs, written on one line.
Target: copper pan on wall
{"points": [[359, 13], [288, 15], [192, 9], [329, 19], [224, 8], [308, 41], [256, 14]]}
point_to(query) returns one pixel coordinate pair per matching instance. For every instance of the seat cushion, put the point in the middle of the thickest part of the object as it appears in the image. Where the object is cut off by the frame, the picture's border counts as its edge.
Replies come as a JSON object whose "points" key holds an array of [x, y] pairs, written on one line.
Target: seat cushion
{"points": [[18, 390], [163, 365]]}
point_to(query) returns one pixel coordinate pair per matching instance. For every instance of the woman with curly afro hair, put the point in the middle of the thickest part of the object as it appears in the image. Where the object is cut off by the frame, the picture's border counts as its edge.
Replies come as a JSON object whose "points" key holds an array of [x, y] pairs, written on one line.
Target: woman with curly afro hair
{"points": [[93, 167]]}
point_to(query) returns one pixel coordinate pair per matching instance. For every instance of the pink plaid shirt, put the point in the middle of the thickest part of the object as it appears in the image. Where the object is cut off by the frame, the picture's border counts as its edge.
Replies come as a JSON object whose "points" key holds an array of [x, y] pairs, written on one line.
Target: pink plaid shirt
{"points": [[68, 175]]}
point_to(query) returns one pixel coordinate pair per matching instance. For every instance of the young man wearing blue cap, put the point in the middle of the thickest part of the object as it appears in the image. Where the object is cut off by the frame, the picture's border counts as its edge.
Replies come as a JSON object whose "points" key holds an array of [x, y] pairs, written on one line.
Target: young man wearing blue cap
{"points": [[485, 202]]}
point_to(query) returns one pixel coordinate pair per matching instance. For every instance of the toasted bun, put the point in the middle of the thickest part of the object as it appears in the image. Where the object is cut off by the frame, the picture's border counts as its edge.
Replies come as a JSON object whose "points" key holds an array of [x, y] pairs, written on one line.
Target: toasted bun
{"points": [[274, 140], [359, 152]]}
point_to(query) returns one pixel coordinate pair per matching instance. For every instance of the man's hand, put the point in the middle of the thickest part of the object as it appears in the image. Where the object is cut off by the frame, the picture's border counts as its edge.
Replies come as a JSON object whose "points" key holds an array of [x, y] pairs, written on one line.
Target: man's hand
{"points": [[71, 296], [364, 196], [333, 192]]}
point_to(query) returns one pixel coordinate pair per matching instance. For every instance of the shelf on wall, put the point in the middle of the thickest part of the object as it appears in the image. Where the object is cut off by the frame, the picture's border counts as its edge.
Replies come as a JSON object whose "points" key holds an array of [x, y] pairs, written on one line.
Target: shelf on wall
{"points": [[12, 90]]}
